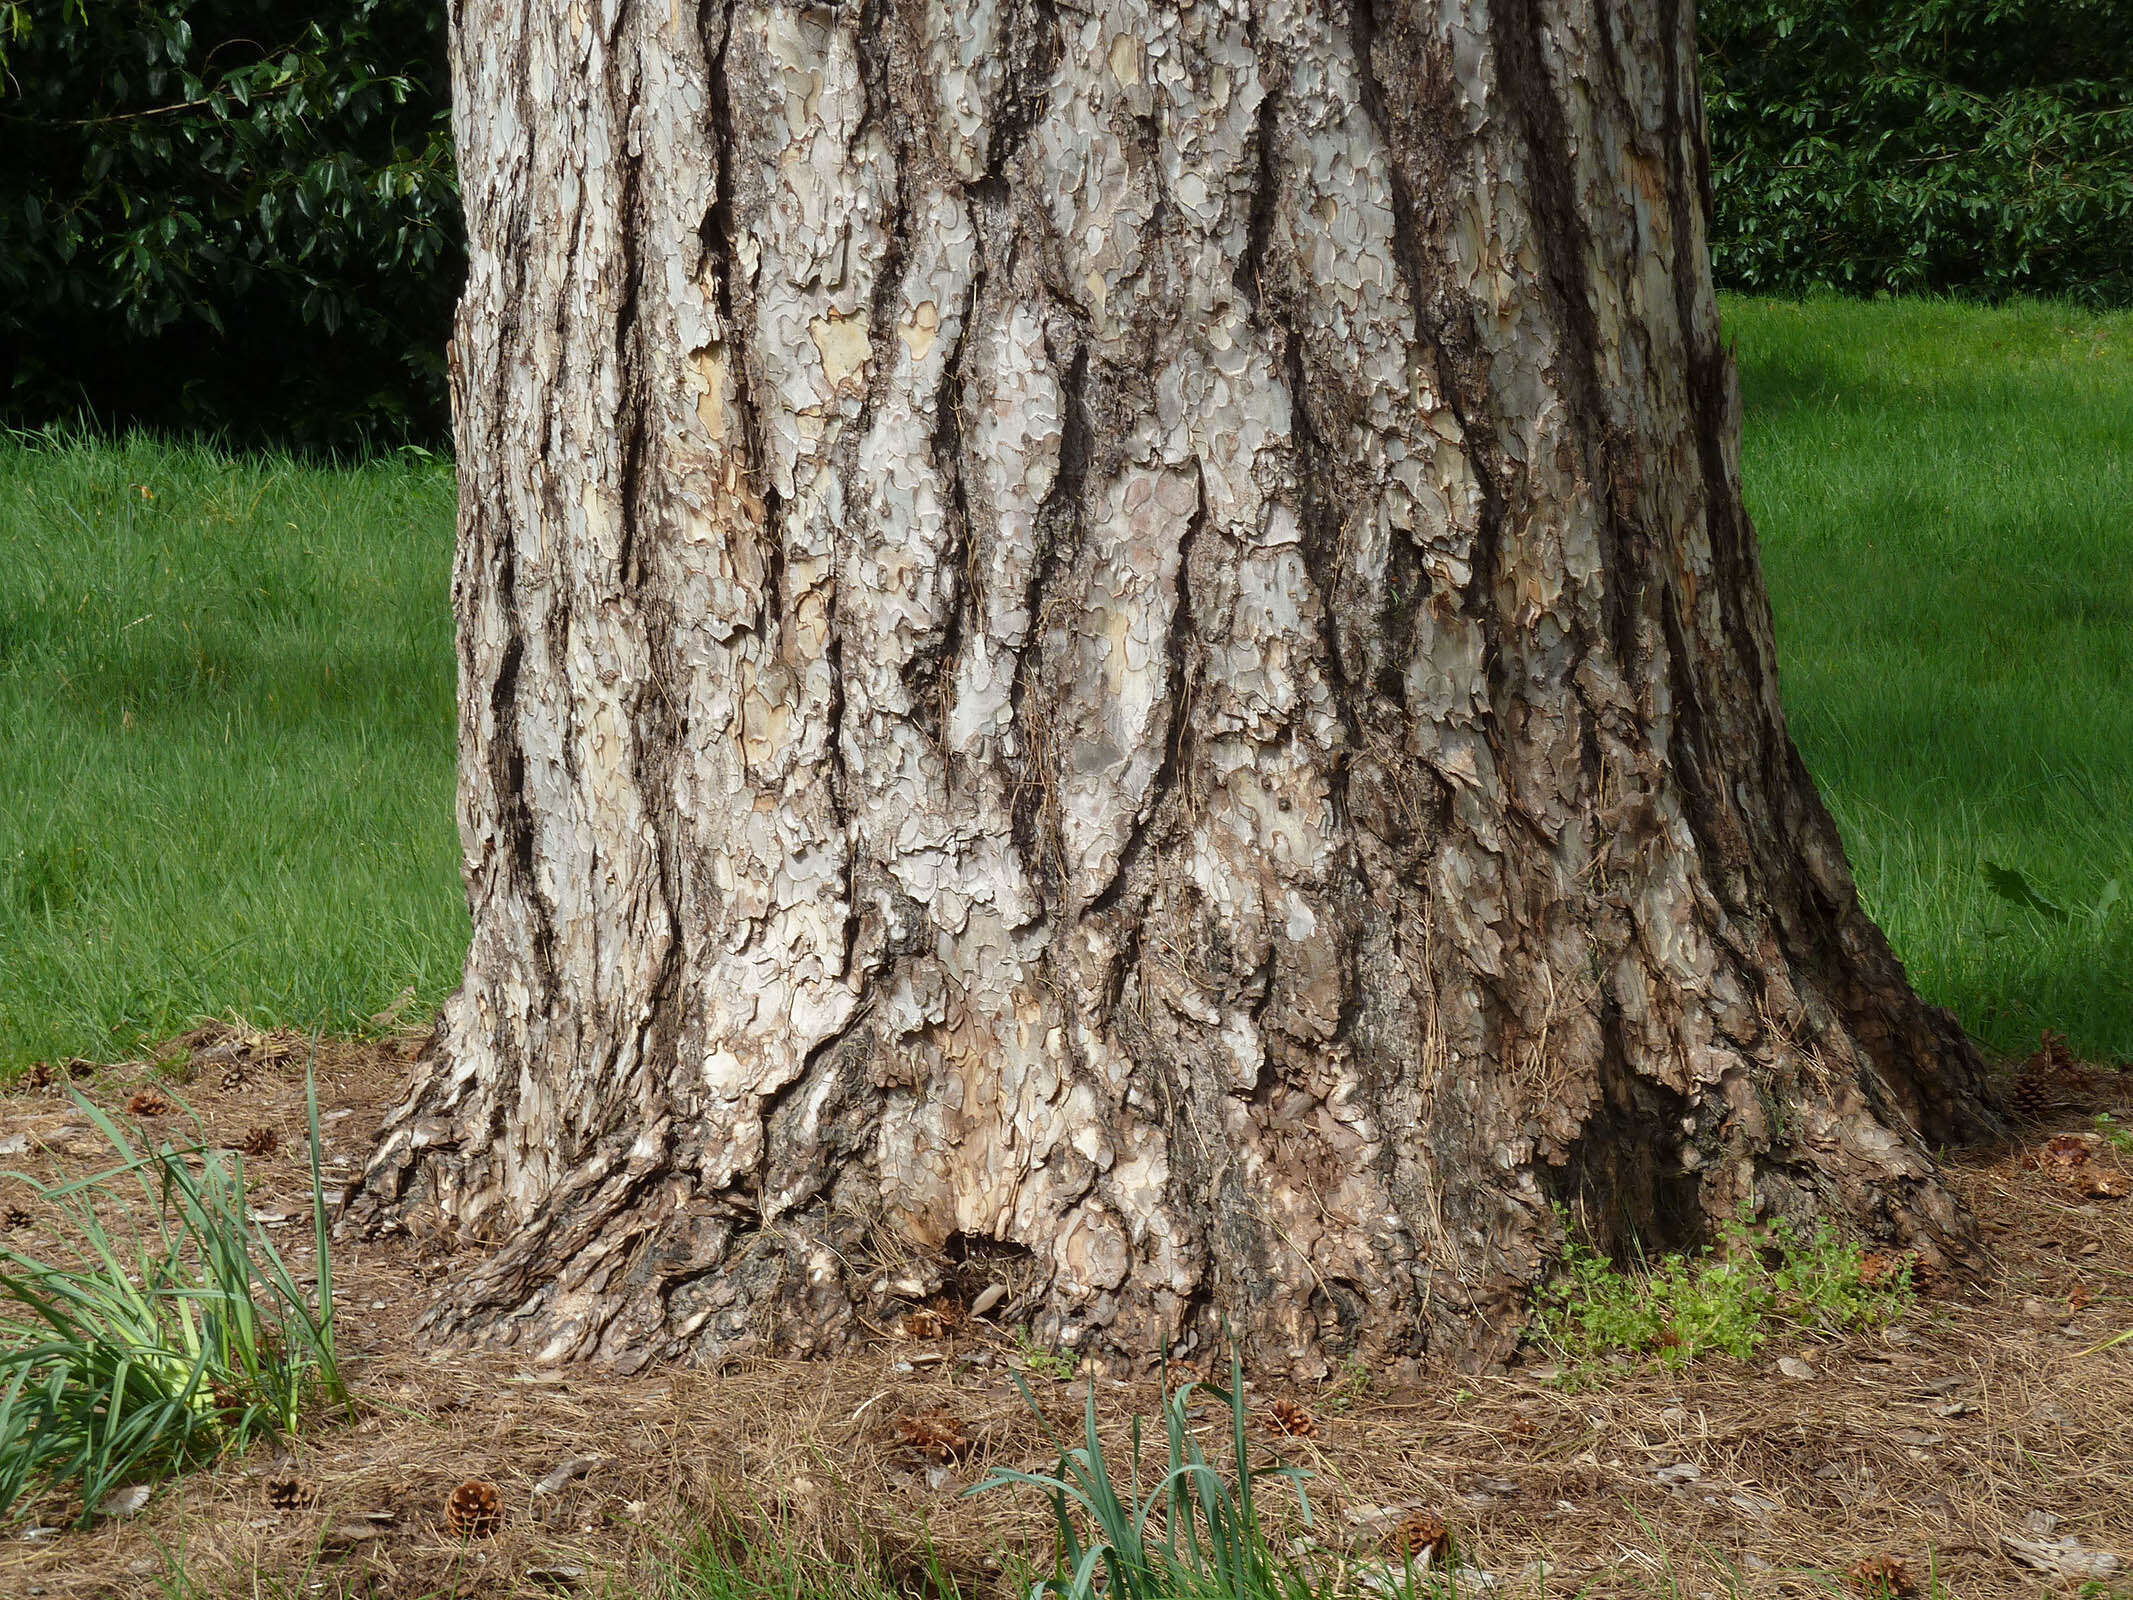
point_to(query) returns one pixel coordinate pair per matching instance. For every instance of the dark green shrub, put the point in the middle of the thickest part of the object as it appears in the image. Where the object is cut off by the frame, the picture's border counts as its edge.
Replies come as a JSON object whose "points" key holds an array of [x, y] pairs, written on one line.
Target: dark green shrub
{"points": [[241, 214], [1979, 147], [237, 214]]}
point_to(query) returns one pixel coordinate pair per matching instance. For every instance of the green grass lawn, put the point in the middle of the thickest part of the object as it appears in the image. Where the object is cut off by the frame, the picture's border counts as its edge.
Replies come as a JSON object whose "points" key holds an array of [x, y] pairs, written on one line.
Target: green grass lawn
{"points": [[226, 781], [226, 776], [1945, 496]]}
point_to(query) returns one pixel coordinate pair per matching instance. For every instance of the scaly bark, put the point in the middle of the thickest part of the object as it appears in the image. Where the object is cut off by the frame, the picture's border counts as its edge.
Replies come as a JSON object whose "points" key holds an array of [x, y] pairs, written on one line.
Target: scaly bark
{"points": [[1123, 642]]}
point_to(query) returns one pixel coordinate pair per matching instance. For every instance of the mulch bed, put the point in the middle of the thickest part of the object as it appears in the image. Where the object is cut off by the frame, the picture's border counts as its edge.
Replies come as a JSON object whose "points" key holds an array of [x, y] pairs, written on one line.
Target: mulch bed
{"points": [[1971, 1439]]}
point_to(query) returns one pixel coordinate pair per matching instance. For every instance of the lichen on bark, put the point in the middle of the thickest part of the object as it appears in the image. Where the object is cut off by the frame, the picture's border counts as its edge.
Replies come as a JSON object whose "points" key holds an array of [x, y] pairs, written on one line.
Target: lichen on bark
{"points": [[1121, 644]]}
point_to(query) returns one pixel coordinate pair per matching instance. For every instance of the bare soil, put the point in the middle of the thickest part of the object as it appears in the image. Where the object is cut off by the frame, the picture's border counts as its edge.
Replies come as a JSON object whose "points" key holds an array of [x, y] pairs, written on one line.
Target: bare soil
{"points": [[1971, 1438]]}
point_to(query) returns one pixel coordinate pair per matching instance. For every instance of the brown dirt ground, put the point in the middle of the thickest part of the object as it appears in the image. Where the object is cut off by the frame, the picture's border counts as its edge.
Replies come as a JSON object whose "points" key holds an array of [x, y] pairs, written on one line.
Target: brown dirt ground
{"points": [[1985, 1412]]}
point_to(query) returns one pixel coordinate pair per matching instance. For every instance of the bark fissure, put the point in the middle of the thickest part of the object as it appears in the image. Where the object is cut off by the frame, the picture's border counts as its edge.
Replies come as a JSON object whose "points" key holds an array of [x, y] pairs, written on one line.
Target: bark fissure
{"points": [[1463, 387], [1058, 531], [926, 676], [1517, 28]]}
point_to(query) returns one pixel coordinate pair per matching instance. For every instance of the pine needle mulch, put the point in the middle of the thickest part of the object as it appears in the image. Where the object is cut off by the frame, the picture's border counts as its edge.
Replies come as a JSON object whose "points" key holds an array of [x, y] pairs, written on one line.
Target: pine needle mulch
{"points": [[1979, 1439]]}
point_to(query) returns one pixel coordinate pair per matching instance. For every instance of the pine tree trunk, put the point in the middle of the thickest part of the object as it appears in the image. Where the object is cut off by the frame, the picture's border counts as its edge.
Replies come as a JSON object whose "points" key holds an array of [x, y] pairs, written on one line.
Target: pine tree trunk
{"points": [[1119, 651]]}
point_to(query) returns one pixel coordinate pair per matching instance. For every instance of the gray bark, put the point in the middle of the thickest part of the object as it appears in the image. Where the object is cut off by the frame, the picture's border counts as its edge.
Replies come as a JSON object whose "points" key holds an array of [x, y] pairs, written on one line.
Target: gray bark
{"points": [[1117, 648]]}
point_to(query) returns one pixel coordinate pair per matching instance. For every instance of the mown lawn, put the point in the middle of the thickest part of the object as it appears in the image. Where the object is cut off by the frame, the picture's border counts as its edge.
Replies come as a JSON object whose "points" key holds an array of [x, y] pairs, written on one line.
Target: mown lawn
{"points": [[1946, 501], [226, 773], [226, 776]]}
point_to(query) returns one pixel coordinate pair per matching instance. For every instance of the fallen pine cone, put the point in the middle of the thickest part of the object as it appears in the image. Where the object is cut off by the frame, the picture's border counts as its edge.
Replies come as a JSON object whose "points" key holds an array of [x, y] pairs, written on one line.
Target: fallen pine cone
{"points": [[2105, 1186], [259, 1142], [2077, 1298], [2031, 1096], [1422, 1537], [1179, 1373], [2069, 1158], [934, 1433], [39, 1076], [1292, 1419], [475, 1510], [1881, 1267], [15, 1217], [80, 1067], [235, 1078], [148, 1103], [2043, 1079], [929, 1322], [291, 1494], [2063, 1155], [1883, 1578]]}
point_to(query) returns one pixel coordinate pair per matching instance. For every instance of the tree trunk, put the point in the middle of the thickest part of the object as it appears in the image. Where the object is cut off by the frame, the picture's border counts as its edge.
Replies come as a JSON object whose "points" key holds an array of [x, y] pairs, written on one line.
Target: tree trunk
{"points": [[1117, 650]]}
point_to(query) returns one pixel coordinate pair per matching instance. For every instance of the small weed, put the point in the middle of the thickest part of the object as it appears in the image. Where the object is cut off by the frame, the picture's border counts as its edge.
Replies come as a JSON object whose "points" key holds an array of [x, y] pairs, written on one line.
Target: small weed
{"points": [[1057, 1364], [2117, 1137], [140, 1349], [1727, 1299], [1351, 1382]]}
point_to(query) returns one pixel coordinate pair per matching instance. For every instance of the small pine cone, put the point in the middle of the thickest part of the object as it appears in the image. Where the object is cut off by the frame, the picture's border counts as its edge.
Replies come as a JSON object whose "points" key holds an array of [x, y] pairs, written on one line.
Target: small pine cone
{"points": [[1883, 1578], [2031, 1096], [291, 1494], [39, 1076], [2077, 1298], [235, 1077], [1881, 1268], [15, 1217], [475, 1510], [1181, 1372], [80, 1067], [2064, 1157], [934, 1433], [1524, 1427], [148, 1103], [1422, 1538], [259, 1142], [928, 1322], [1286, 1416], [2044, 1080]]}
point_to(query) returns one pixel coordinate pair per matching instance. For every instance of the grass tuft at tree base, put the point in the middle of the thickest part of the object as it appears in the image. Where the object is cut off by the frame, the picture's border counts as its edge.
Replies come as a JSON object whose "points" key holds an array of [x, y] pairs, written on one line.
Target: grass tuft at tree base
{"points": [[156, 1329]]}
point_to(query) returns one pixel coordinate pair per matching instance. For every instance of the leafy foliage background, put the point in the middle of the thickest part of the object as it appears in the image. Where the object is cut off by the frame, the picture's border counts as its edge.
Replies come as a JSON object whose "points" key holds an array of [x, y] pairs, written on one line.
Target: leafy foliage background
{"points": [[1970, 147], [240, 215], [236, 215]]}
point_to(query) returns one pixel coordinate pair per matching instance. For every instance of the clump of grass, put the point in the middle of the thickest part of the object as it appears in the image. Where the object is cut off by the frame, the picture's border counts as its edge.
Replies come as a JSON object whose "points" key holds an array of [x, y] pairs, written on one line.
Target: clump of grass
{"points": [[1196, 1532], [163, 1332], [1729, 1298], [761, 1563]]}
